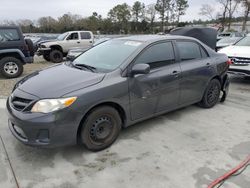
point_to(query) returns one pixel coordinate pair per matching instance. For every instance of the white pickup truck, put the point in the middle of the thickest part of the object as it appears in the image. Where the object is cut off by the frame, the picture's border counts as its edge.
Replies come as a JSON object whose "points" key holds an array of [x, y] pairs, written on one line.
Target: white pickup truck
{"points": [[57, 49]]}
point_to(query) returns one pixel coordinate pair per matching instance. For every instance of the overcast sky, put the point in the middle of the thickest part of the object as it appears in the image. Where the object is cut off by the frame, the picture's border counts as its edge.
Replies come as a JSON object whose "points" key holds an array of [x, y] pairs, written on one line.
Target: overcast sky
{"points": [[33, 9]]}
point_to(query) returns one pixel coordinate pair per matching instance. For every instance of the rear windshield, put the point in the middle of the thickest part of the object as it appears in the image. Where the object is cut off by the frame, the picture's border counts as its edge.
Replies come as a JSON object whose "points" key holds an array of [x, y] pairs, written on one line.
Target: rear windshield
{"points": [[9, 35]]}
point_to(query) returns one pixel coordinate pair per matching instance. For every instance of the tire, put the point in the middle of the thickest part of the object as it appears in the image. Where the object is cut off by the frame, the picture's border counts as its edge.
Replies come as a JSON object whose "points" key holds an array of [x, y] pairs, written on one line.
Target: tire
{"points": [[56, 56], [211, 95], [46, 57], [101, 128], [11, 67], [30, 47]]}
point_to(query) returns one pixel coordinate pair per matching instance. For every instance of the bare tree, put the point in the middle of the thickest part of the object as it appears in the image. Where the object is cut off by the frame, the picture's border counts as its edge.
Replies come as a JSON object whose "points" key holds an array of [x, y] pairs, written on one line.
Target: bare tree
{"points": [[246, 4], [233, 5], [207, 10], [150, 15]]}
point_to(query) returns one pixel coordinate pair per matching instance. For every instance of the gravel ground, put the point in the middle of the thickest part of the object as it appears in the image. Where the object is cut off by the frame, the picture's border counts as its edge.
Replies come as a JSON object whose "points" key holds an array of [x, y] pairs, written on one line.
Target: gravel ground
{"points": [[6, 85]]}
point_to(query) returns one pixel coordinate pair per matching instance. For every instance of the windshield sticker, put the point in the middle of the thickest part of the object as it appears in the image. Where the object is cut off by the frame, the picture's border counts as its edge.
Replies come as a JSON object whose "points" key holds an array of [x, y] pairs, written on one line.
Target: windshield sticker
{"points": [[132, 43]]}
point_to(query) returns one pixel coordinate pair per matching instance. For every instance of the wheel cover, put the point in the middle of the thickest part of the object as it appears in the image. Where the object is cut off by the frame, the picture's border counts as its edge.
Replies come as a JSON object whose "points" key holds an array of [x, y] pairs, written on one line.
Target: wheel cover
{"points": [[57, 57], [101, 130], [10, 68], [213, 94]]}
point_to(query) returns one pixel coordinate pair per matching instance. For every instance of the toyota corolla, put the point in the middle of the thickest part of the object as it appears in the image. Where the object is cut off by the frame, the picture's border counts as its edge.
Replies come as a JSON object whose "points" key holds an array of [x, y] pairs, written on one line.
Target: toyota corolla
{"points": [[112, 86]]}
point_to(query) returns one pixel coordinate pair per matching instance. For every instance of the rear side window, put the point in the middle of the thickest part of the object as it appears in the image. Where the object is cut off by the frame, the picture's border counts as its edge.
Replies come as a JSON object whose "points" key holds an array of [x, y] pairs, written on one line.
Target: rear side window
{"points": [[85, 35], [9, 35], [157, 55], [189, 50]]}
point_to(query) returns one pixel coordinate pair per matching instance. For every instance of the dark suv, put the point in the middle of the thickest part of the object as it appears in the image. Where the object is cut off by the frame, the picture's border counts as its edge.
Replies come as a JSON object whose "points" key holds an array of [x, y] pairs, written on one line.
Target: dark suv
{"points": [[15, 51]]}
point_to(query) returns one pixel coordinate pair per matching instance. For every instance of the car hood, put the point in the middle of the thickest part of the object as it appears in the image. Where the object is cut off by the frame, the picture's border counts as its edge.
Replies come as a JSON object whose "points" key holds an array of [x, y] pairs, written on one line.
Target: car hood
{"points": [[57, 81], [52, 42], [236, 51]]}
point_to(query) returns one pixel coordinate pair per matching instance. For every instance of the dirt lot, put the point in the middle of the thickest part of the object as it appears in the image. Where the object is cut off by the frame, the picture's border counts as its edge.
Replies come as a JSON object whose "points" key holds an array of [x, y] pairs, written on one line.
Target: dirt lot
{"points": [[6, 85], [187, 148]]}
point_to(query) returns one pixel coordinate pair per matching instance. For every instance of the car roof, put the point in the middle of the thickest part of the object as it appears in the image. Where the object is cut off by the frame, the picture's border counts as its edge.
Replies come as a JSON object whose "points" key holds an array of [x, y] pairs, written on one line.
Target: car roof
{"points": [[154, 38]]}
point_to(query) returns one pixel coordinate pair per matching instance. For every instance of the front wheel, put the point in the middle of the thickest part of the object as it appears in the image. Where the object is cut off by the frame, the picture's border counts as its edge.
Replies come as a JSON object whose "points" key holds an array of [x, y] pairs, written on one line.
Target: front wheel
{"points": [[211, 95], [101, 128], [56, 56], [11, 67], [46, 57]]}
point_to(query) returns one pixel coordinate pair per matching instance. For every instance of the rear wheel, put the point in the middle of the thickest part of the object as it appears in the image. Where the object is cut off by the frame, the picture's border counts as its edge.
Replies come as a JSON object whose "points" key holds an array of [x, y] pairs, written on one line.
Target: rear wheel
{"points": [[101, 128], [211, 95], [11, 67], [56, 56]]}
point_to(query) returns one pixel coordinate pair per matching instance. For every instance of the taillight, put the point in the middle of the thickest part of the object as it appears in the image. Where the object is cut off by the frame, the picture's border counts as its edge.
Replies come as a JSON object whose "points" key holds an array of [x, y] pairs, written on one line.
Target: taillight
{"points": [[229, 62]]}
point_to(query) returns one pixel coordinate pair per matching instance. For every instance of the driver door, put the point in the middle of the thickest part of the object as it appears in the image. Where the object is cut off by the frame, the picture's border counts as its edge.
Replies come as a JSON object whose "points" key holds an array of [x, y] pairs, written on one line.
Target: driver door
{"points": [[159, 89], [72, 41]]}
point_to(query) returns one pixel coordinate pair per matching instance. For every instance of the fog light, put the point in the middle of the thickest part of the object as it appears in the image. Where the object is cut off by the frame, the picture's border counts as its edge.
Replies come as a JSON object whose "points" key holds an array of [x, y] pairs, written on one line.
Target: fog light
{"points": [[20, 132], [43, 136]]}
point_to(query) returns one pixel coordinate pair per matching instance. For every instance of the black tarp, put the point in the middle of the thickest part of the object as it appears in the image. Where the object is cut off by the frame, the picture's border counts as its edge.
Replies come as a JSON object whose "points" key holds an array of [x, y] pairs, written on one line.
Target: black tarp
{"points": [[205, 34]]}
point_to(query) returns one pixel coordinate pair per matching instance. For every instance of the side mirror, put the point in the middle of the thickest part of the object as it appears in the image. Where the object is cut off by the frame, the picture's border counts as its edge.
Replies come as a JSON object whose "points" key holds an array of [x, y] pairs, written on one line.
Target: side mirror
{"points": [[140, 69]]}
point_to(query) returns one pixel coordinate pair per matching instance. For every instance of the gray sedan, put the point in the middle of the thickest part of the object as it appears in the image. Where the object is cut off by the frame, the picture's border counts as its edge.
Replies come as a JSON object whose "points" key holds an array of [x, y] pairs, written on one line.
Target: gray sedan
{"points": [[112, 86]]}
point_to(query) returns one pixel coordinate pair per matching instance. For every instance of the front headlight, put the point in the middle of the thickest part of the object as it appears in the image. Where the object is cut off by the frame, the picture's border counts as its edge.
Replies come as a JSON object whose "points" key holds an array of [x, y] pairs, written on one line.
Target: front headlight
{"points": [[51, 105]]}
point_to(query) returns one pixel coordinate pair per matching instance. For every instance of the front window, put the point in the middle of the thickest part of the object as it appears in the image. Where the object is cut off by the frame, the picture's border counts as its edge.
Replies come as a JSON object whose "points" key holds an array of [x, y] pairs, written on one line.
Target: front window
{"points": [[73, 36], [108, 55], [62, 36], [158, 55], [243, 42]]}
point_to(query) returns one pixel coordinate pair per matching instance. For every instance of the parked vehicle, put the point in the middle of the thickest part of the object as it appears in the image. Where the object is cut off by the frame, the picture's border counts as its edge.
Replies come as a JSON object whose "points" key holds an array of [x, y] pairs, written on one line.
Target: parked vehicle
{"points": [[227, 41], [39, 39], [15, 51], [75, 52], [239, 54], [229, 34], [55, 50], [113, 85]]}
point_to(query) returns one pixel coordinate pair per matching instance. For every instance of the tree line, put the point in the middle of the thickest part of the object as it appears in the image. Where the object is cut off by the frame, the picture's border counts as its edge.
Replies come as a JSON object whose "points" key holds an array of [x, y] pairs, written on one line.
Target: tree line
{"points": [[138, 18], [123, 18]]}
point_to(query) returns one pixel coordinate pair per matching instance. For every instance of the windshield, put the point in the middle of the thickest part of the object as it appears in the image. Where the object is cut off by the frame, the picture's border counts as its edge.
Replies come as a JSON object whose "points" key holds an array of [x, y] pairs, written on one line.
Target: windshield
{"points": [[243, 42], [108, 55], [228, 40], [62, 36]]}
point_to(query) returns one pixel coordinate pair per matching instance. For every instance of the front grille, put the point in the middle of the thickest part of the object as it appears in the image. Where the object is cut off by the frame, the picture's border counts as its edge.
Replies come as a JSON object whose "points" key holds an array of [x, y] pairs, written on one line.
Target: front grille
{"points": [[240, 60], [20, 104]]}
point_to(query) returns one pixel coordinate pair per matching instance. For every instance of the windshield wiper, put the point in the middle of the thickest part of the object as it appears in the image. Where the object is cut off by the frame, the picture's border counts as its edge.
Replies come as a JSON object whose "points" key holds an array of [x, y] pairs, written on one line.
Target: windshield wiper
{"points": [[92, 69]]}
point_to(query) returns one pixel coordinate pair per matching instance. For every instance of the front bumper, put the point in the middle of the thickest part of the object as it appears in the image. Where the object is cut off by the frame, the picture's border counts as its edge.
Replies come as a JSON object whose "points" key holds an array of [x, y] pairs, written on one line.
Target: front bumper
{"points": [[44, 130], [241, 70], [42, 51]]}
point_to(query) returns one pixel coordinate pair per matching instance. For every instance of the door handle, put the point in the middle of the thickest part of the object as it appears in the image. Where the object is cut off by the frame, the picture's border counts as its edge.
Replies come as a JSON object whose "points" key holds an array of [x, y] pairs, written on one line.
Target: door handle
{"points": [[90, 42], [208, 65], [175, 73], [78, 42]]}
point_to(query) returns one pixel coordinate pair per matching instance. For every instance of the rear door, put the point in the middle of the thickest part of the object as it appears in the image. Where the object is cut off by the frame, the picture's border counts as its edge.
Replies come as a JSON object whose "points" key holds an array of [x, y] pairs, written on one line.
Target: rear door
{"points": [[86, 39], [196, 70], [159, 89]]}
